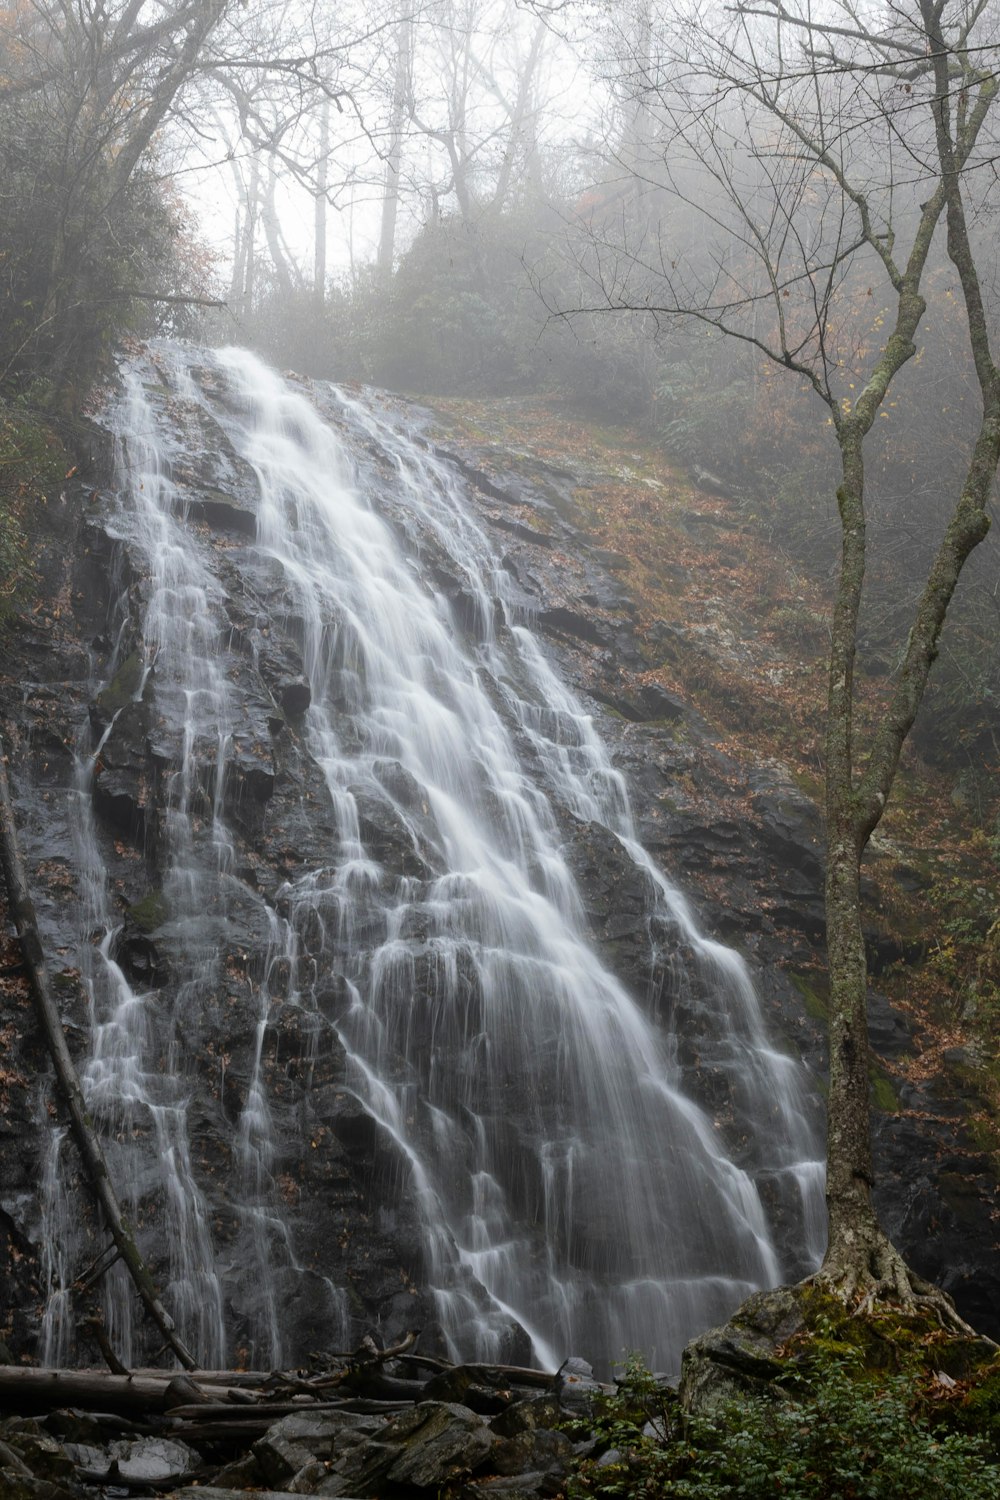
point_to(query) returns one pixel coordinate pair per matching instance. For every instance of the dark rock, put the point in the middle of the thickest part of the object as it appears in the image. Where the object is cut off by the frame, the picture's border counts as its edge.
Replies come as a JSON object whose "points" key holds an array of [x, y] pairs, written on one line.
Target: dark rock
{"points": [[36, 1449], [140, 959], [540, 1450], [576, 1386], [295, 696], [659, 704], [299, 1442], [563, 621], [528, 1416], [241, 1475], [279, 1458], [223, 515], [17, 1486], [435, 1444], [526, 533], [11, 1463]]}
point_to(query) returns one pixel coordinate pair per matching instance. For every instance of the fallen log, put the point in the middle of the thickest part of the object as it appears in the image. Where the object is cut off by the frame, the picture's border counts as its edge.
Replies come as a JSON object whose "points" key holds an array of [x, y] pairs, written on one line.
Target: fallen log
{"points": [[22, 912], [155, 1394], [275, 1410], [96, 1390], [247, 1380], [513, 1374]]}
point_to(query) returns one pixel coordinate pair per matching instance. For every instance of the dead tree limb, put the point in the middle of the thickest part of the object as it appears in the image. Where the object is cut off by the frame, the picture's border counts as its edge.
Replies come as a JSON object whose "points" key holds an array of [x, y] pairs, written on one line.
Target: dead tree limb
{"points": [[22, 912], [95, 1327]]}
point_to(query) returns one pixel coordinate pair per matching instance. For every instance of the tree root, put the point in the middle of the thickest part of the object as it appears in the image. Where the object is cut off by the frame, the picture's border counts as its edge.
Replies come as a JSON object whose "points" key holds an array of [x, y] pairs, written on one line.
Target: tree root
{"points": [[871, 1274]]}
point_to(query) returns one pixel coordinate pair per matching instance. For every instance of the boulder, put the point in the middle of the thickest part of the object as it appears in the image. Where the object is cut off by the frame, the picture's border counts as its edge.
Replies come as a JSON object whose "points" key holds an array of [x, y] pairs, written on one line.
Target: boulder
{"points": [[435, 1444], [738, 1359], [301, 1441]]}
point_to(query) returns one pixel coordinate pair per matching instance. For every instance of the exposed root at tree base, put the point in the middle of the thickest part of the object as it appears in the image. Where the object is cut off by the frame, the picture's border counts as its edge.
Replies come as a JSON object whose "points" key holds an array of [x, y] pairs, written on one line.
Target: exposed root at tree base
{"points": [[876, 1276]]}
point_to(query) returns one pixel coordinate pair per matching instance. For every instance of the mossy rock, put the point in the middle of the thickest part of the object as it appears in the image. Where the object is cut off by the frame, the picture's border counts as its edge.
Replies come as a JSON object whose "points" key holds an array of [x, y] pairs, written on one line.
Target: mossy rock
{"points": [[776, 1336], [123, 686], [978, 1409], [815, 995], [883, 1093], [150, 913]]}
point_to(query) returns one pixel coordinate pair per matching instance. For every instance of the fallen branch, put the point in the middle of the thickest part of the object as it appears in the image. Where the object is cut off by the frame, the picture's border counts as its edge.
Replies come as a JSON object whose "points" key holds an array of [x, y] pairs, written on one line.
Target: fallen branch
{"points": [[22, 912], [95, 1327]]}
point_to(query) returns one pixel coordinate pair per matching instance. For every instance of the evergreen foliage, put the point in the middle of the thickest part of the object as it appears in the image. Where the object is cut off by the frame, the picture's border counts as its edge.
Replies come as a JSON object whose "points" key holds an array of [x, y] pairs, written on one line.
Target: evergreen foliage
{"points": [[834, 1431]]}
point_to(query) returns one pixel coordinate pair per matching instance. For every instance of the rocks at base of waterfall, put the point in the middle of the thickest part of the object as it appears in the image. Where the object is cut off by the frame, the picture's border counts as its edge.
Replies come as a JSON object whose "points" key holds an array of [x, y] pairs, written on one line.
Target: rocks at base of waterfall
{"points": [[436, 1443], [152, 1461], [427, 1447], [47, 1459], [40, 1453], [533, 1415], [538, 1451], [337, 1453], [18, 1486], [223, 1492], [33, 1465], [576, 1387], [298, 1441], [737, 1360]]}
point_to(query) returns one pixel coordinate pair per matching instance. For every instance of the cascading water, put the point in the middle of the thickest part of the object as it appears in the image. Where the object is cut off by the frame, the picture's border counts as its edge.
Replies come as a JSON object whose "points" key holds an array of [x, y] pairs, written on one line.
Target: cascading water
{"points": [[563, 1179]]}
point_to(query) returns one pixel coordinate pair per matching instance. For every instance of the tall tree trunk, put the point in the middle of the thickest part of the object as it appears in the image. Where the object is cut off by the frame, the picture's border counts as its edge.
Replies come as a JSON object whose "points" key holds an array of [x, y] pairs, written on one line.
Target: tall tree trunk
{"points": [[272, 233], [393, 161], [248, 287], [519, 116], [859, 1255], [322, 183]]}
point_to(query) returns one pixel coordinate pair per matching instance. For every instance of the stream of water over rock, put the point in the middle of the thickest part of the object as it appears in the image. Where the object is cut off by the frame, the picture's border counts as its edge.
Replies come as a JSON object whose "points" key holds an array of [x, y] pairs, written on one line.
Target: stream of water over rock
{"points": [[561, 1177]]}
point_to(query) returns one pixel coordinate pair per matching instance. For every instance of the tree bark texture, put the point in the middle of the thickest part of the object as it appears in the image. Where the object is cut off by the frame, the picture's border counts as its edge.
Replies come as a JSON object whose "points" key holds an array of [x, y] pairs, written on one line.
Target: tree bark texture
{"points": [[859, 1255]]}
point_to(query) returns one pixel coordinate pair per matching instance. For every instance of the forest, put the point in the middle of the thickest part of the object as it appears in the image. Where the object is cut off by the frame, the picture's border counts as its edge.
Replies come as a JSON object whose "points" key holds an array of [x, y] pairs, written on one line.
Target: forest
{"points": [[500, 821]]}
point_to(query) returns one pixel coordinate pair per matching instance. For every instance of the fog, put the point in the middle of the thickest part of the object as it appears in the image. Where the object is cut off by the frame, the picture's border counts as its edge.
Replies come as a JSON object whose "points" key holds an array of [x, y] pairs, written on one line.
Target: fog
{"points": [[696, 220]]}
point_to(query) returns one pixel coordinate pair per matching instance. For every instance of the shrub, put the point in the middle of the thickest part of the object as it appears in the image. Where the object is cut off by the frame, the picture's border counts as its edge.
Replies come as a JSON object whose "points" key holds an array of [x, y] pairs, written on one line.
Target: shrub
{"points": [[832, 1432]]}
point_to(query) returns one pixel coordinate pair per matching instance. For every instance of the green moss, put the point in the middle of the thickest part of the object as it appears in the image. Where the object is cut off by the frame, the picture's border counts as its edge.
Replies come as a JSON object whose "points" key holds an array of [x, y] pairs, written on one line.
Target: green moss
{"points": [[979, 1410], [860, 1409], [884, 1095], [815, 994], [809, 783], [123, 686], [151, 912]]}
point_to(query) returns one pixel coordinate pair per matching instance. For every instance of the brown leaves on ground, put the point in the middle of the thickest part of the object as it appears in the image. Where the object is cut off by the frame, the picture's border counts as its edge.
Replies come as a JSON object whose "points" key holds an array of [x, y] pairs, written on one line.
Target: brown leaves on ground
{"points": [[733, 624]]}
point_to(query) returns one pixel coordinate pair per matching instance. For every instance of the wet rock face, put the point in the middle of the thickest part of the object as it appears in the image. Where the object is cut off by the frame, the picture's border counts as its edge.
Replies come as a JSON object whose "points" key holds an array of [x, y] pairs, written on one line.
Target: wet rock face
{"points": [[343, 1182]]}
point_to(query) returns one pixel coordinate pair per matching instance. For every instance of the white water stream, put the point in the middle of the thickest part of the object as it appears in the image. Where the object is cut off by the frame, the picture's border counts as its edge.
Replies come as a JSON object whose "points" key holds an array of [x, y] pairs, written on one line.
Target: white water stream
{"points": [[564, 1178]]}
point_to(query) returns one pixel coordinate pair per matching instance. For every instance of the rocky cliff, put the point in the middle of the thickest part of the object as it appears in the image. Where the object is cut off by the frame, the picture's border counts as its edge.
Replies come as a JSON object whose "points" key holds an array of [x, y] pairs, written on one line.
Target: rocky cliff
{"points": [[277, 1153]]}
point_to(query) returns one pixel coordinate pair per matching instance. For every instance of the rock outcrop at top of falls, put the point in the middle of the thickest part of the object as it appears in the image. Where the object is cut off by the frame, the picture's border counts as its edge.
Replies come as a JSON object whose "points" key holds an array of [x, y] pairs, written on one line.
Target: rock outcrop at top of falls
{"points": [[348, 818]]}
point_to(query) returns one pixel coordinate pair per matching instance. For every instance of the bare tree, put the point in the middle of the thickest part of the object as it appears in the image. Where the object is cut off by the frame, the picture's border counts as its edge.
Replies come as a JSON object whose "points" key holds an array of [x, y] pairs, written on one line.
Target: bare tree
{"points": [[85, 89], [401, 90], [811, 163]]}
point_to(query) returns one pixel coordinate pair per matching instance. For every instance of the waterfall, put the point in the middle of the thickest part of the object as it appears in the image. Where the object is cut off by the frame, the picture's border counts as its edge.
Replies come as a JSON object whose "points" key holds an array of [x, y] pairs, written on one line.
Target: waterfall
{"points": [[565, 1185]]}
